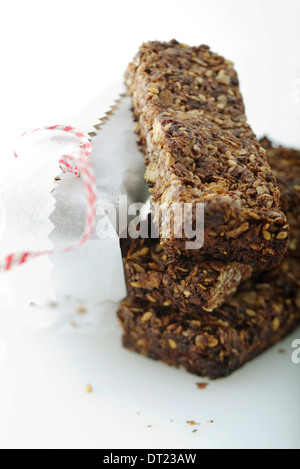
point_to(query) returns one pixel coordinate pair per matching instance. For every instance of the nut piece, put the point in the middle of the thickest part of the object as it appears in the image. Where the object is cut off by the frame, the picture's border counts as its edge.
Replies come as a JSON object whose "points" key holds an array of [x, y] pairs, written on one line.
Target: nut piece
{"points": [[238, 231], [212, 341], [166, 97], [172, 343], [147, 316], [282, 235], [276, 324], [223, 78], [153, 90], [267, 235]]}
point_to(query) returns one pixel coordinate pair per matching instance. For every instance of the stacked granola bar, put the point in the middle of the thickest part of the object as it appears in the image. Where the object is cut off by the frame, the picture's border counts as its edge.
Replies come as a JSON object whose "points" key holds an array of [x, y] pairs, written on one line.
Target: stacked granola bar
{"points": [[216, 344], [286, 165], [152, 272], [199, 148], [183, 307]]}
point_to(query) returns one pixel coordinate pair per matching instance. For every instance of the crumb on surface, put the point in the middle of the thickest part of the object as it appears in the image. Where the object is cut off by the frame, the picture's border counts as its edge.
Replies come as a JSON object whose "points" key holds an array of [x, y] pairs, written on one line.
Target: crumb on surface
{"points": [[202, 385], [281, 351], [194, 431], [192, 422], [88, 388], [211, 421], [81, 310]]}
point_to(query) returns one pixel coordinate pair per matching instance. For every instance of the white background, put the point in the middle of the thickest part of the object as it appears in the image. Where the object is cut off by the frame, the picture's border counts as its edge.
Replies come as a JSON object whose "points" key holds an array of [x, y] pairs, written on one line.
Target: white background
{"points": [[55, 57]]}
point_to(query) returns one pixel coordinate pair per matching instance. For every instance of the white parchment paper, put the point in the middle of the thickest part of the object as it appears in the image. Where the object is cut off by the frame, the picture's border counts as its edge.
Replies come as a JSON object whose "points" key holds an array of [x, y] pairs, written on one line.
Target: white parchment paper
{"points": [[95, 270], [38, 213], [26, 203]]}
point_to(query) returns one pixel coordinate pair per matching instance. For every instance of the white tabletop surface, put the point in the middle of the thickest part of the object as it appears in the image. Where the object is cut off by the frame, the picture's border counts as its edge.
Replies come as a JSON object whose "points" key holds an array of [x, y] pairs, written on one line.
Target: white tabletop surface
{"points": [[137, 402]]}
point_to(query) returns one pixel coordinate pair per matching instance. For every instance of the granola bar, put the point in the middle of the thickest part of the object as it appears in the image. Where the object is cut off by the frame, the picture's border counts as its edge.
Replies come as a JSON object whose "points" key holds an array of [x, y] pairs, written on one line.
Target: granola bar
{"points": [[259, 315], [152, 272], [199, 149], [285, 163], [216, 344]]}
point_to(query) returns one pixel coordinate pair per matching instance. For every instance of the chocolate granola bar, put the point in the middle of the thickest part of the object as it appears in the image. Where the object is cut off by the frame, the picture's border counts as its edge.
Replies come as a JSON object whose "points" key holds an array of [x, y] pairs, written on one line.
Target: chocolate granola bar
{"points": [[152, 272], [199, 149], [260, 314], [216, 344], [285, 163]]}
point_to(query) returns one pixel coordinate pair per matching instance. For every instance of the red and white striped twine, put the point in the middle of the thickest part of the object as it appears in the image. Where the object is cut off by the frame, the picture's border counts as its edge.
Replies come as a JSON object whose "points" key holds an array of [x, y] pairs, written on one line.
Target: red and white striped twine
{"points": [[83, 169]]}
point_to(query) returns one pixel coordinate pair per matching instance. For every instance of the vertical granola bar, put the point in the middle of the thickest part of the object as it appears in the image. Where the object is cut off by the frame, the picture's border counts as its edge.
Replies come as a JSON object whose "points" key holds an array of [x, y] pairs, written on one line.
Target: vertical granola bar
{"points": [[199, 149]]}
